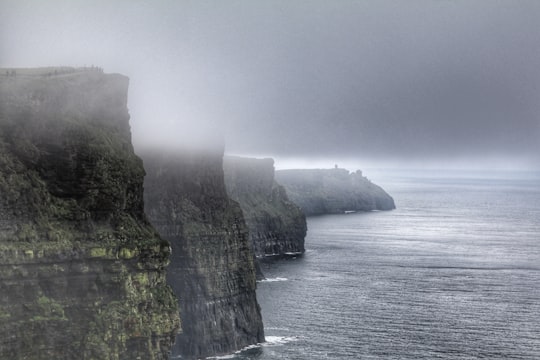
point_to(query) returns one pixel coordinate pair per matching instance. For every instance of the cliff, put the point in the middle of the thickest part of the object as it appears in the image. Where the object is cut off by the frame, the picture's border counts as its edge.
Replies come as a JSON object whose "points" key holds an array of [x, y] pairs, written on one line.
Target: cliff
{"points": [[212, 269], [81, 269], [276, 225], [333, 191]]}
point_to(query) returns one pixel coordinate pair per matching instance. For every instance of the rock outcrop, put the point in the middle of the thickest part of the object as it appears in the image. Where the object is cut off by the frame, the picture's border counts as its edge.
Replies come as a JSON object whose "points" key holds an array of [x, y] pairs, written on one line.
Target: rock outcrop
{"points": [[333, 191], [82, 272], [212, 268], [276, 225]]}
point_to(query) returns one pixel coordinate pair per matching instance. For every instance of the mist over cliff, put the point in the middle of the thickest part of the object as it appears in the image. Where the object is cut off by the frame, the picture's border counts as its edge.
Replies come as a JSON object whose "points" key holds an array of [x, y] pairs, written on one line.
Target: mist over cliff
{"points": [[401, 84], [85, 274], [82, 269]]}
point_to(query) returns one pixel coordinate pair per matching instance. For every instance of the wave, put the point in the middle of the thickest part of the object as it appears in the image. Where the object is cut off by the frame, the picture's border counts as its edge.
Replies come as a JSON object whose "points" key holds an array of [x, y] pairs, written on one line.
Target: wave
{"points": [[270, 341], [230, 356], [274, 279], [236, 353], [279, 340]]}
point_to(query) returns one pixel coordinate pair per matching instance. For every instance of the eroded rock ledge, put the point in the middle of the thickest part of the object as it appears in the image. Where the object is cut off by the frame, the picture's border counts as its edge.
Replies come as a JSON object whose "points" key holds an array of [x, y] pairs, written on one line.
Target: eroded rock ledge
{"points": [[212, 268], [82, 272]]}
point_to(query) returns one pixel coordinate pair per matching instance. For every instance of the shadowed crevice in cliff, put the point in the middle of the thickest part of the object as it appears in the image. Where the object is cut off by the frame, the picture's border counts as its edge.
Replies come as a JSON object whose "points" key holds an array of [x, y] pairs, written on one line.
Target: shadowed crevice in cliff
{"points": [[333, 191], [277, 227], [81, 269], [212, 269]]}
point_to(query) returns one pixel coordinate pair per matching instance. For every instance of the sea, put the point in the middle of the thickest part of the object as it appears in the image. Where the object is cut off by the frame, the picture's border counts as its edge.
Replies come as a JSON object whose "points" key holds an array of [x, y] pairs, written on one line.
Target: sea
{"points": [[452, 273]]}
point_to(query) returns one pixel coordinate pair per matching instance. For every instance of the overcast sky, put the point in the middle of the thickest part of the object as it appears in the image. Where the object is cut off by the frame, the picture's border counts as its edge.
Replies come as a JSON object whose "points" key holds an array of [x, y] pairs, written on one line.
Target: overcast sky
{"points": [[374, 82]]}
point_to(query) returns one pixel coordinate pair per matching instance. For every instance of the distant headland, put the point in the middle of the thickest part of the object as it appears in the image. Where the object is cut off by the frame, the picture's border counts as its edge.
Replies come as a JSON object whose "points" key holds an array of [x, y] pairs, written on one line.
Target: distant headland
{"points": [[333, 191]]}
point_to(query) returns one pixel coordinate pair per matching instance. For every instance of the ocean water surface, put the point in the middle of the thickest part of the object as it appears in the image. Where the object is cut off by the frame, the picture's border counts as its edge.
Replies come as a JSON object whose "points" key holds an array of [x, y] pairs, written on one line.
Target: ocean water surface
{"points": [[452, 273]]}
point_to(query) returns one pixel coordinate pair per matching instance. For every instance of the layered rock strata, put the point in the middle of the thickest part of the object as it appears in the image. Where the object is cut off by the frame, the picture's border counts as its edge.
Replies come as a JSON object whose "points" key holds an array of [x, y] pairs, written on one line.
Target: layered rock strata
{"points": [[82, 272], [276, 225], [333, 191], [212, 269]]}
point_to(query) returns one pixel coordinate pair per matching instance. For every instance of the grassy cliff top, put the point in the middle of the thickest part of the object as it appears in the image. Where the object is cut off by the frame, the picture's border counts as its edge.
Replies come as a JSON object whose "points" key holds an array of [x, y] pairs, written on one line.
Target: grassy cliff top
{"points": [[75, 92], [47, 70]]}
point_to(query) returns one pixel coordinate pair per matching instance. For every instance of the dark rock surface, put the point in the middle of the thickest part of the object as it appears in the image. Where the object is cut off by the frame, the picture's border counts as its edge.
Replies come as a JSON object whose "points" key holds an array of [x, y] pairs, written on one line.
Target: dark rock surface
{"points": [[212, 268], [82, 272], [333, 191], [276, 225]]}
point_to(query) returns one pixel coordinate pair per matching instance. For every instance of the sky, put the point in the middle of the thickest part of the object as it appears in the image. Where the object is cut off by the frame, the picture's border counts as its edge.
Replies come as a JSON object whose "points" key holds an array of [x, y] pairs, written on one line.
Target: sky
{"points": [[436, 83]]}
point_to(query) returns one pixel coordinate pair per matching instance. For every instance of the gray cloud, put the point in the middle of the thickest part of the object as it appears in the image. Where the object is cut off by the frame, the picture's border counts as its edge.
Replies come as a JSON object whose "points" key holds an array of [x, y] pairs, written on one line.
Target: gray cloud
{"points": [[374, 80]]}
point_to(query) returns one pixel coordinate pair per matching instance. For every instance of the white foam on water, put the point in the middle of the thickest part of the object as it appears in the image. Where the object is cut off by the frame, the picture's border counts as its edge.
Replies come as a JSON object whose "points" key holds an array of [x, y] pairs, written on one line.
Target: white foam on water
{"points": [[279, 340], [233, 355], [274, 279], [230, 356], [270, 341]]}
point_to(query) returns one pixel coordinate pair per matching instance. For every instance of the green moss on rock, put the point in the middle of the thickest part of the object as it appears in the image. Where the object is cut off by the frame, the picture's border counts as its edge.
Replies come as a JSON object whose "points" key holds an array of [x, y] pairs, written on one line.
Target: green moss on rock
{"points": [[82, 272]]}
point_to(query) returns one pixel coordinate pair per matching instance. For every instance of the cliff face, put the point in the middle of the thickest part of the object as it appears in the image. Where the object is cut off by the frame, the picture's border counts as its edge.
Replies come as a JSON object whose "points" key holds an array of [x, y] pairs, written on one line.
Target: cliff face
{"points": [[81, 270], [333, 191], [212, 269], [276, 225]]}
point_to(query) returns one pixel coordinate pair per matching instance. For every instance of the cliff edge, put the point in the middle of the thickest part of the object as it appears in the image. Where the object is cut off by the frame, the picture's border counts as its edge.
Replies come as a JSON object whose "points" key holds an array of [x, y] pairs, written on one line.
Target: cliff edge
{"points": [[276, 225], [81, 269], [212, 269], [333, 191]]}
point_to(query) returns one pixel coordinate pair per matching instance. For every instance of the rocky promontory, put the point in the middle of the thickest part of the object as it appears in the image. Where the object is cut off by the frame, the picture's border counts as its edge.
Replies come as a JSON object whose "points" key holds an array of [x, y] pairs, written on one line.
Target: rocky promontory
{"points": [[82, 272], [333, 191], [212, 268], [276, 225]]}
